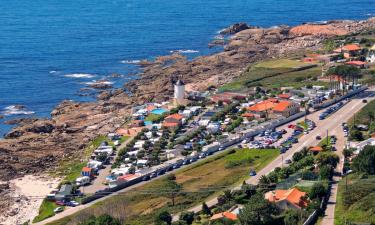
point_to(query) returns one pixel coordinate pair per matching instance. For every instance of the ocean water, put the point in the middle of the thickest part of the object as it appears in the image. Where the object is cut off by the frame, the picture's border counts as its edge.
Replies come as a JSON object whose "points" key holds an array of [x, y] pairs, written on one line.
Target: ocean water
{"points": [[50, 49]]}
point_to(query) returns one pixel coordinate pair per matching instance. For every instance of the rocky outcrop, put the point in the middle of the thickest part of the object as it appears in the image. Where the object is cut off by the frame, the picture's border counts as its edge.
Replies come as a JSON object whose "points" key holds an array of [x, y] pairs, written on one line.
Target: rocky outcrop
{"points": [[235, 28]]}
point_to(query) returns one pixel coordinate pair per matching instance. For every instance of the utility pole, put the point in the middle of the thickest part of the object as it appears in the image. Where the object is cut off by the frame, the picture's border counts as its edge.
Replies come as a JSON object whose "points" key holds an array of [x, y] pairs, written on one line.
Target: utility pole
{"points": [[327, 137], [282, 161]]}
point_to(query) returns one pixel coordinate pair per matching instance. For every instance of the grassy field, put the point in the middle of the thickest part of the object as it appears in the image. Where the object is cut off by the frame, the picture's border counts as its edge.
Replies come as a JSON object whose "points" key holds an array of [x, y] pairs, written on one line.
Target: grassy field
{"points": [[362, 117], [199, 181], [153, 117], [275, 74], [45, 211], [281, 63], [362, 207]]}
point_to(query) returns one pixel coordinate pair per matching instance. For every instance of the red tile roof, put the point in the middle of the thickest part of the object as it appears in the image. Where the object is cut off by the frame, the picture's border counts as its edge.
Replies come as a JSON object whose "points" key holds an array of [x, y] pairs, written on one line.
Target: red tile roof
{"points": [[316, 149], [286, 96], [86, 169], [228, 215], [248, 115], [356, 63], [175, 116], [262, 106], [169, 124], [351, 47], [282, 106], [294, 196]]}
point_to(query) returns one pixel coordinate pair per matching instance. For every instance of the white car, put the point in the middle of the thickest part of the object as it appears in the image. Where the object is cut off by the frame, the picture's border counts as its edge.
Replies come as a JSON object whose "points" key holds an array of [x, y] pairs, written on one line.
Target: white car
{"points": [[58, 209], [73, 203]]}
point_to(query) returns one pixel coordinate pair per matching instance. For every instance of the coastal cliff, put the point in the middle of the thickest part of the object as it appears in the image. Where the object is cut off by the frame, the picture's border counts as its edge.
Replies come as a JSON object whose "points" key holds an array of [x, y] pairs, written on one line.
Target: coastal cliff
{"points": [[39, 144]]}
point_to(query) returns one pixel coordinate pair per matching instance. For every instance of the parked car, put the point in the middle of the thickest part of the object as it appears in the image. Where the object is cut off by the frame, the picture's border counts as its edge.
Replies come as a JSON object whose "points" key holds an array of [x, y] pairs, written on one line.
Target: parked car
{"points": [[253, 173], [364, 100], [72, 203], [58, 209], [318, 138], [288, 161], [60, 203]]}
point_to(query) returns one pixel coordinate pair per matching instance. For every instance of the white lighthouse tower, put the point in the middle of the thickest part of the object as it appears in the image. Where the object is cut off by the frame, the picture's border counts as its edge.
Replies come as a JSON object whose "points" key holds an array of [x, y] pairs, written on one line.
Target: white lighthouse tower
{"points": [[179, 92]]}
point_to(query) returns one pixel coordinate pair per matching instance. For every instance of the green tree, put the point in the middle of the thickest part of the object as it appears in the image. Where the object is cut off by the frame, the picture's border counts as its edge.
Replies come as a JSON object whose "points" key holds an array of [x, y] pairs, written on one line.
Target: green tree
{"points": [[101, 220], [365, 161], [327, 158], [102, 157], [317, 191], [356, 135], [163, 217], [258, 211], [325, 172], [188, 217], [291, 217], [205, 209]]}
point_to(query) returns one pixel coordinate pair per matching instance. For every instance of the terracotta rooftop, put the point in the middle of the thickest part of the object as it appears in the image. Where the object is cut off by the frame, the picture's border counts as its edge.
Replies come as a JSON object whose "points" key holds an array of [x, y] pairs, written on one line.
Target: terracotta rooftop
{"points": [[169, 124], [356, 63], [294, 196], [351, 47], [248, 115], [175, 116], [282, 106], [228, 215], [86, 169], [316, 149], [286, 96], [262, 106]]}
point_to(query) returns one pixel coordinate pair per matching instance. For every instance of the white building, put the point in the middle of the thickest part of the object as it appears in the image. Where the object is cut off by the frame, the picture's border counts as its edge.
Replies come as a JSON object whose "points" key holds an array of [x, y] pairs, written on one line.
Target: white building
{"points": [[179, 91]]}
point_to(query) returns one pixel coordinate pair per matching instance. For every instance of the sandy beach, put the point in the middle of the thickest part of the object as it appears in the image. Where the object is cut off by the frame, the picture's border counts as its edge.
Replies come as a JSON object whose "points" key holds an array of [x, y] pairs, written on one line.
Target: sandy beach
{"points": [[27, 194]]}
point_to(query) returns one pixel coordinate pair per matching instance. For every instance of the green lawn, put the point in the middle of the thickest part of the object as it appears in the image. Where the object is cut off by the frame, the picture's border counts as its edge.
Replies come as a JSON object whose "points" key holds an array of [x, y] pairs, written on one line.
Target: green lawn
{"points": [[124, 138], [45, 211], [273, 76], [281, 63], [199, 181], [362, 204], [153, 117], [365, 116], [324, 141]]}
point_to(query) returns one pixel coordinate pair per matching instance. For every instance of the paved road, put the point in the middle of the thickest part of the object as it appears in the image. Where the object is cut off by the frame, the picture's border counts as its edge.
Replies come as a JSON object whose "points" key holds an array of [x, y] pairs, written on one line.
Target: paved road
{"points": [[332, 124], [329, 214]]}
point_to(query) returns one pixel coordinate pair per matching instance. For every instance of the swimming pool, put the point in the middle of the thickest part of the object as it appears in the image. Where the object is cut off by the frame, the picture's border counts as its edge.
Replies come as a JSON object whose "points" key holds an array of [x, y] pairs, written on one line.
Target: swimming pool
{"points": [[159, 111]]}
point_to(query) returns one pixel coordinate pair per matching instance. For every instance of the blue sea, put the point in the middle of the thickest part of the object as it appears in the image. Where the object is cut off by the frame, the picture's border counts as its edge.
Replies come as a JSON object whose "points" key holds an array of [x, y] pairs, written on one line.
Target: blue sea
{"points": [[50, 49]]}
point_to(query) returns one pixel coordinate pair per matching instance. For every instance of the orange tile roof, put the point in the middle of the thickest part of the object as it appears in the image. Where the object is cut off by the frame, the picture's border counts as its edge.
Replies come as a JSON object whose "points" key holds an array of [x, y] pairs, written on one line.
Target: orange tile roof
{"points": [[316, 149], [228, 215], [262, 106], [282, 106], [284, 96], [175, 116], [356, 63], [294, 196], [247, 115], [86, 169], [169, 124], [129, 132], [150, 107], [351, 47]]}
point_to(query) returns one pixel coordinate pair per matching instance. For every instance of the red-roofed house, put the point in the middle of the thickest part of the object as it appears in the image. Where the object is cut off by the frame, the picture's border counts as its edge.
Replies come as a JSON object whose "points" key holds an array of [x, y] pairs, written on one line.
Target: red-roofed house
{"points": [[349, 51], [287, 199], [316, 149], [261, 108], [358, 64], [248, 116], [284, 96], [173, 120], [286, 108], [222, 215], [87, 172], [137, 123]]}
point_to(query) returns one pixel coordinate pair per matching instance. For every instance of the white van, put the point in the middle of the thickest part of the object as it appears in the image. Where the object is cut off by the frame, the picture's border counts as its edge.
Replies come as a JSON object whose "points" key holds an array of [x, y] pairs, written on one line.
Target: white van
{"points": [[81, 181]]}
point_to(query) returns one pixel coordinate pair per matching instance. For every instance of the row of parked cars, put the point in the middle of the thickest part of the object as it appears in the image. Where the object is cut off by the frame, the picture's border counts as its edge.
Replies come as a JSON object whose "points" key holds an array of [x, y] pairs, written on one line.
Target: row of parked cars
{"points": [[298, 130], [330, 110]]}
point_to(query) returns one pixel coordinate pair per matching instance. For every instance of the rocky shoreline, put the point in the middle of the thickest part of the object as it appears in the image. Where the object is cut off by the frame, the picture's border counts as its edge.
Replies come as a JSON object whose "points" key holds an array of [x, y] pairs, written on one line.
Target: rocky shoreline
{"points": [[37, 145]]}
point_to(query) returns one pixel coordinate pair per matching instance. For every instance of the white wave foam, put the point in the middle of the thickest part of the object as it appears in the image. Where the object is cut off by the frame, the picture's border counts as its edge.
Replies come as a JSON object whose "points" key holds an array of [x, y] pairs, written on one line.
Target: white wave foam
{"points": [[80, 75], [130, 61], [220, 31], [93, 82], [16, 110], [188, 51], [52, 71], [219, 37]]}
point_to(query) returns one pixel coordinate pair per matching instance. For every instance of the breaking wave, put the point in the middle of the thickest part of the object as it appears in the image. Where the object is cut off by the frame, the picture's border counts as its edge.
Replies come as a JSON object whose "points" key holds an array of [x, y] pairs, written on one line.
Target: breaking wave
{"points": [[16, 110], [80, 75], [130, 61], [188, 51]]}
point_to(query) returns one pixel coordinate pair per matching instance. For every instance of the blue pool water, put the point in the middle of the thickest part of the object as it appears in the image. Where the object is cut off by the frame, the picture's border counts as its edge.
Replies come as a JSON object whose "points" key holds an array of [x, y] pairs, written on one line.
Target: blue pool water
{"points": [[159, 111], [50, 49]]}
